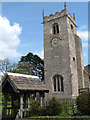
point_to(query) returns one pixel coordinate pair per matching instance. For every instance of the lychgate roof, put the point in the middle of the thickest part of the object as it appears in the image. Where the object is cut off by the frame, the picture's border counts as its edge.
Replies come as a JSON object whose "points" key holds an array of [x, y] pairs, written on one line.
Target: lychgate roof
{"points": [[21, 82]]}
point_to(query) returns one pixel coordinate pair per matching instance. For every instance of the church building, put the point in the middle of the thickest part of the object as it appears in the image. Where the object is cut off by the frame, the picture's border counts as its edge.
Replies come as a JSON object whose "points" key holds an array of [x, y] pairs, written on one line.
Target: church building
{"points": [[64, 73], [63, 58]]}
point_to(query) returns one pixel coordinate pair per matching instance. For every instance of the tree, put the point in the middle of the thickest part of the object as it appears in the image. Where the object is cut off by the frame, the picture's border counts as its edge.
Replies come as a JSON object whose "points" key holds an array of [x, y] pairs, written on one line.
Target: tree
{"points": [[6, 65], [32, 64], [25, 68], [29, 64]]}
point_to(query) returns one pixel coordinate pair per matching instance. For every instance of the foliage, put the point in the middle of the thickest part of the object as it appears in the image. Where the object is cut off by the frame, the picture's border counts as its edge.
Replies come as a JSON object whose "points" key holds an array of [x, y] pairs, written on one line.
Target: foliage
{"points": [[7, 65], [69, 107], [65, 106], [60, 117], [17, 71], [32, 64], [3, 77], [83, 103], [34, 108], [54, 107], [42, 110], [29, 64]]}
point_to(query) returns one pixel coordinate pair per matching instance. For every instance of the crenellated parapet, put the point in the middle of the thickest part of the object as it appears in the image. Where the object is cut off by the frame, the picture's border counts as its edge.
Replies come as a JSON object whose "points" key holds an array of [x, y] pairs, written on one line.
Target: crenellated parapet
{"points": [[58, 15]]}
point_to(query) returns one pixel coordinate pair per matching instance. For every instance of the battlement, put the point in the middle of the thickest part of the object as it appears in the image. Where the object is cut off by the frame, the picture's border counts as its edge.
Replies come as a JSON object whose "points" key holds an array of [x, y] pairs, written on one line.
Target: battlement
{"points": [[57, 15]]}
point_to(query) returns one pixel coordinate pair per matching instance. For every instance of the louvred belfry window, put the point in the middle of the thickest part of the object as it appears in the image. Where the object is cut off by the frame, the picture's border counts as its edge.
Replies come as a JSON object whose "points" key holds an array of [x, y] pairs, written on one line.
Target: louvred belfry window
{"points": [[55, 28]]}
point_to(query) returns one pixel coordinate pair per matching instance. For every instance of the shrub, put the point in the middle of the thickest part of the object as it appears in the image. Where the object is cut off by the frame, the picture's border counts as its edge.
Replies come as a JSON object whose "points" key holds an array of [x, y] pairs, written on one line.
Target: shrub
{"points": [[83, 103], [42, 111], [54, 107], [34, 109]]}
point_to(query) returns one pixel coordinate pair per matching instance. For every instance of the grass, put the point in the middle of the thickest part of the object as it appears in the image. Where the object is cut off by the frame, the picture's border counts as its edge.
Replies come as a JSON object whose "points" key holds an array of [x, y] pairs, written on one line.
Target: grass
{"points": [[67, 113], [61, 116]]}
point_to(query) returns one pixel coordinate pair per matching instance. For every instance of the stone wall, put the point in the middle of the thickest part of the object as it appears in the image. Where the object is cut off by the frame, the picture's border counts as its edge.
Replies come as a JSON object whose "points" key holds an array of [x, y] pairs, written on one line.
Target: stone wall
{"points": [[58, 60]]}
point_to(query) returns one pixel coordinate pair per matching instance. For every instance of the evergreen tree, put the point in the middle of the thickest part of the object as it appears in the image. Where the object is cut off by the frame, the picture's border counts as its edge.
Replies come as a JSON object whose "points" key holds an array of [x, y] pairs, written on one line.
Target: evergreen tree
{"points": [[32, 64]]}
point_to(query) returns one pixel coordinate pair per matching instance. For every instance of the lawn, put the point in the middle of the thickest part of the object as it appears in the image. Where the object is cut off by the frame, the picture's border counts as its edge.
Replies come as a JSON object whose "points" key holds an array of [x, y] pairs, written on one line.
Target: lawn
{"points": [[60, 117]]}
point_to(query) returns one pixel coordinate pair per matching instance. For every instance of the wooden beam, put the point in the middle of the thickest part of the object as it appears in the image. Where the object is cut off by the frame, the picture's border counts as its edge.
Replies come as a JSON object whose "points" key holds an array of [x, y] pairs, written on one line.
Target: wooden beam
{"points": [[5, 107], [28, 101], [21, 106]]}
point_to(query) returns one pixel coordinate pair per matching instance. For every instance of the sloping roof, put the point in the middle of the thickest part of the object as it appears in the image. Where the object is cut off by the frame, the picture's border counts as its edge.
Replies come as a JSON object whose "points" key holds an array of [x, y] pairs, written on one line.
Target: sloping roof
{"points": [[87, 69], [22, 75], [23, 82]]}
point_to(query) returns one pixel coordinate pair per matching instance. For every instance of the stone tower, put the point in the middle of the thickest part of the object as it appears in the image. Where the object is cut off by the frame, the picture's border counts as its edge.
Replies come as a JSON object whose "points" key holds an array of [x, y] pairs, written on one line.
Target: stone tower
{"points": [[63, 59]]}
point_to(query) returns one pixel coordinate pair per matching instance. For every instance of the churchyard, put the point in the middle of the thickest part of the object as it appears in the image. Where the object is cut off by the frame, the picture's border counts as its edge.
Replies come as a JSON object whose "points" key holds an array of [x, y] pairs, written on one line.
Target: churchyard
{"points": [[54, 109]]}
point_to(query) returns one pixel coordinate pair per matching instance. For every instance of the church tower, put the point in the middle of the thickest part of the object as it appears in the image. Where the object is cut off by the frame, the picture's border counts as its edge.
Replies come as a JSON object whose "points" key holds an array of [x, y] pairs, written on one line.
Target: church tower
{"points": [[63, 59]]}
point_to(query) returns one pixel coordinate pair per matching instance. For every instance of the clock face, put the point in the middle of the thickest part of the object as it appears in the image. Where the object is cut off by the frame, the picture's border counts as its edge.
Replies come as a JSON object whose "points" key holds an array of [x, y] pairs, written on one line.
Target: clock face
{"points": [[55, 42]]}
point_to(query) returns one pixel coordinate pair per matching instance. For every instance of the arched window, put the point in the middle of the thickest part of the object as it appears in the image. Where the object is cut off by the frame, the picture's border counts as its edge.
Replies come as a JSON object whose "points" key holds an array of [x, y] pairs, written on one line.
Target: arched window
{"points": [[58, 83], [55, 28]]}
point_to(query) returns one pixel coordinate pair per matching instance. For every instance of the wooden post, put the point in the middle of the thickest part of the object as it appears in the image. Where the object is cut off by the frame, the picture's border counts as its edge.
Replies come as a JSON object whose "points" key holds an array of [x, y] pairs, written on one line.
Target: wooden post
{"points": [[12, 111], [25, 100], [28, 101], [5, 107], [21, 106], [41, 99], [35, 96]]}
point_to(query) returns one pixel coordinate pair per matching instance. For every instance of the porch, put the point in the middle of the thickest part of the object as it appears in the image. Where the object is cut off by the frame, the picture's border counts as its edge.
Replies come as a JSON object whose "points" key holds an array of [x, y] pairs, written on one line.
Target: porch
{"points": [[18, 90]]}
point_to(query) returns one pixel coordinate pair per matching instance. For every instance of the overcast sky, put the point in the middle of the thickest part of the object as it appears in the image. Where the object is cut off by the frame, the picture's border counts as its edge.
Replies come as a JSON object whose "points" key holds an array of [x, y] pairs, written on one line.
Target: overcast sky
{"points": [[22, 31]]}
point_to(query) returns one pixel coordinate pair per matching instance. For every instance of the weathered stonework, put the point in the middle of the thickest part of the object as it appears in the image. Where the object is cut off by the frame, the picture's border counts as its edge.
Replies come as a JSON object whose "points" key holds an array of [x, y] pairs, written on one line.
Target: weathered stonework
{"points": [[65, 59], [87, 76]]}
